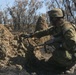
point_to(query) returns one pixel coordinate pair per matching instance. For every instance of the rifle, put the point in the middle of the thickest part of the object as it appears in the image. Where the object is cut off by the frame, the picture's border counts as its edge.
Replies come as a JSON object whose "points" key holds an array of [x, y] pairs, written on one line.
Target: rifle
{"points": [[47, 43], [50, 43]]}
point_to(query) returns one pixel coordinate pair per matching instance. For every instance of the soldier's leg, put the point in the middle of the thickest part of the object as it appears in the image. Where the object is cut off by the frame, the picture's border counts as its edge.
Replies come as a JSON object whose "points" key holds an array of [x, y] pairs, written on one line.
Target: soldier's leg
{"points": [[62, 57]]}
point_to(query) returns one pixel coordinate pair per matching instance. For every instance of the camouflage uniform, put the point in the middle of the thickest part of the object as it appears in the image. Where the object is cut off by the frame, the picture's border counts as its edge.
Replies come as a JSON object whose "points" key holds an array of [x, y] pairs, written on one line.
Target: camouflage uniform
{"points": [[65, 34], [64, 53], [41, 24]]}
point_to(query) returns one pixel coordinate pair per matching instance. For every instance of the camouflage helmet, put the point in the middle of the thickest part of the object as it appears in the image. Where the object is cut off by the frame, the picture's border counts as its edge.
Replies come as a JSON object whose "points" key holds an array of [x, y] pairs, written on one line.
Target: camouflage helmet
{"points": [[56, 12]]}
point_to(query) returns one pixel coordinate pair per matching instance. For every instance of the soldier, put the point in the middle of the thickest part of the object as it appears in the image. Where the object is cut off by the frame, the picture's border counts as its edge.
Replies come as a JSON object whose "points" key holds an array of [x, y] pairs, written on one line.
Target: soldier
{"points": [[64, 39], [41, 24]]}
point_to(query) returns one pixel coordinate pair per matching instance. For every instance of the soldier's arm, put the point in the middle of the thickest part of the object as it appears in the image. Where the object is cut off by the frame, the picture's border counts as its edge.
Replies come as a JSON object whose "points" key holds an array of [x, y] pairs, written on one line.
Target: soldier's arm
{"points": [[42, 33], [69, 37]]}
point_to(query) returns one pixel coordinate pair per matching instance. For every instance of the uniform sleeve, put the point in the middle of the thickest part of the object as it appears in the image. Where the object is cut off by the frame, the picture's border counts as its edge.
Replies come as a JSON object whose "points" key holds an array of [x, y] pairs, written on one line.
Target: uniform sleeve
{"points": [[69, 37], [42, 33]]}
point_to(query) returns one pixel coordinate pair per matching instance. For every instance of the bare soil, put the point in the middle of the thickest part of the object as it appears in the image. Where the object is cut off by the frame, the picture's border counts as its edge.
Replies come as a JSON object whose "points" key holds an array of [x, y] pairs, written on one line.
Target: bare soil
{"points": [[23, 58]]}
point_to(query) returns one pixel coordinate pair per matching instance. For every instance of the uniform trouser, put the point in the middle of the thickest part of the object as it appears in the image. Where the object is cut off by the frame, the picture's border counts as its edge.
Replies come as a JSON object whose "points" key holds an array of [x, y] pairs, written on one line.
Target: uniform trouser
{"points": [[62, 57]]}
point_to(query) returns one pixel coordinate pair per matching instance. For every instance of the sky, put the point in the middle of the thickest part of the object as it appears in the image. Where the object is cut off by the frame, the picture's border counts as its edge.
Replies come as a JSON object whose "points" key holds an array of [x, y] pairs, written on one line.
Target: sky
{"points": [[4, 3]]}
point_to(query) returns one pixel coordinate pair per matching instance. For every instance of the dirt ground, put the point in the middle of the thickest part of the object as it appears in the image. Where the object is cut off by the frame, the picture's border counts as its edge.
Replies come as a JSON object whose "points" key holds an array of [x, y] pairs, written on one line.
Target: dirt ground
{"points": [[23, 58]]}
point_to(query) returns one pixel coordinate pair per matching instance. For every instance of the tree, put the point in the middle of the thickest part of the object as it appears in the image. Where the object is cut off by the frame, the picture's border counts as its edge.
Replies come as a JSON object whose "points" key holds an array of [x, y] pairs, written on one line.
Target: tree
{"points": [[69, 7], [1, 16], [24, 12]]}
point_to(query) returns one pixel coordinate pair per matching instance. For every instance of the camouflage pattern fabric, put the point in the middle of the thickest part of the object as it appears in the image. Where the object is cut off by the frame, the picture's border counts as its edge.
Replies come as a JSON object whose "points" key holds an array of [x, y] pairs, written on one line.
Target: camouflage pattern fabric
{"points": [[41, 24], [68, 35], [63, 58], [56, 12]]}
